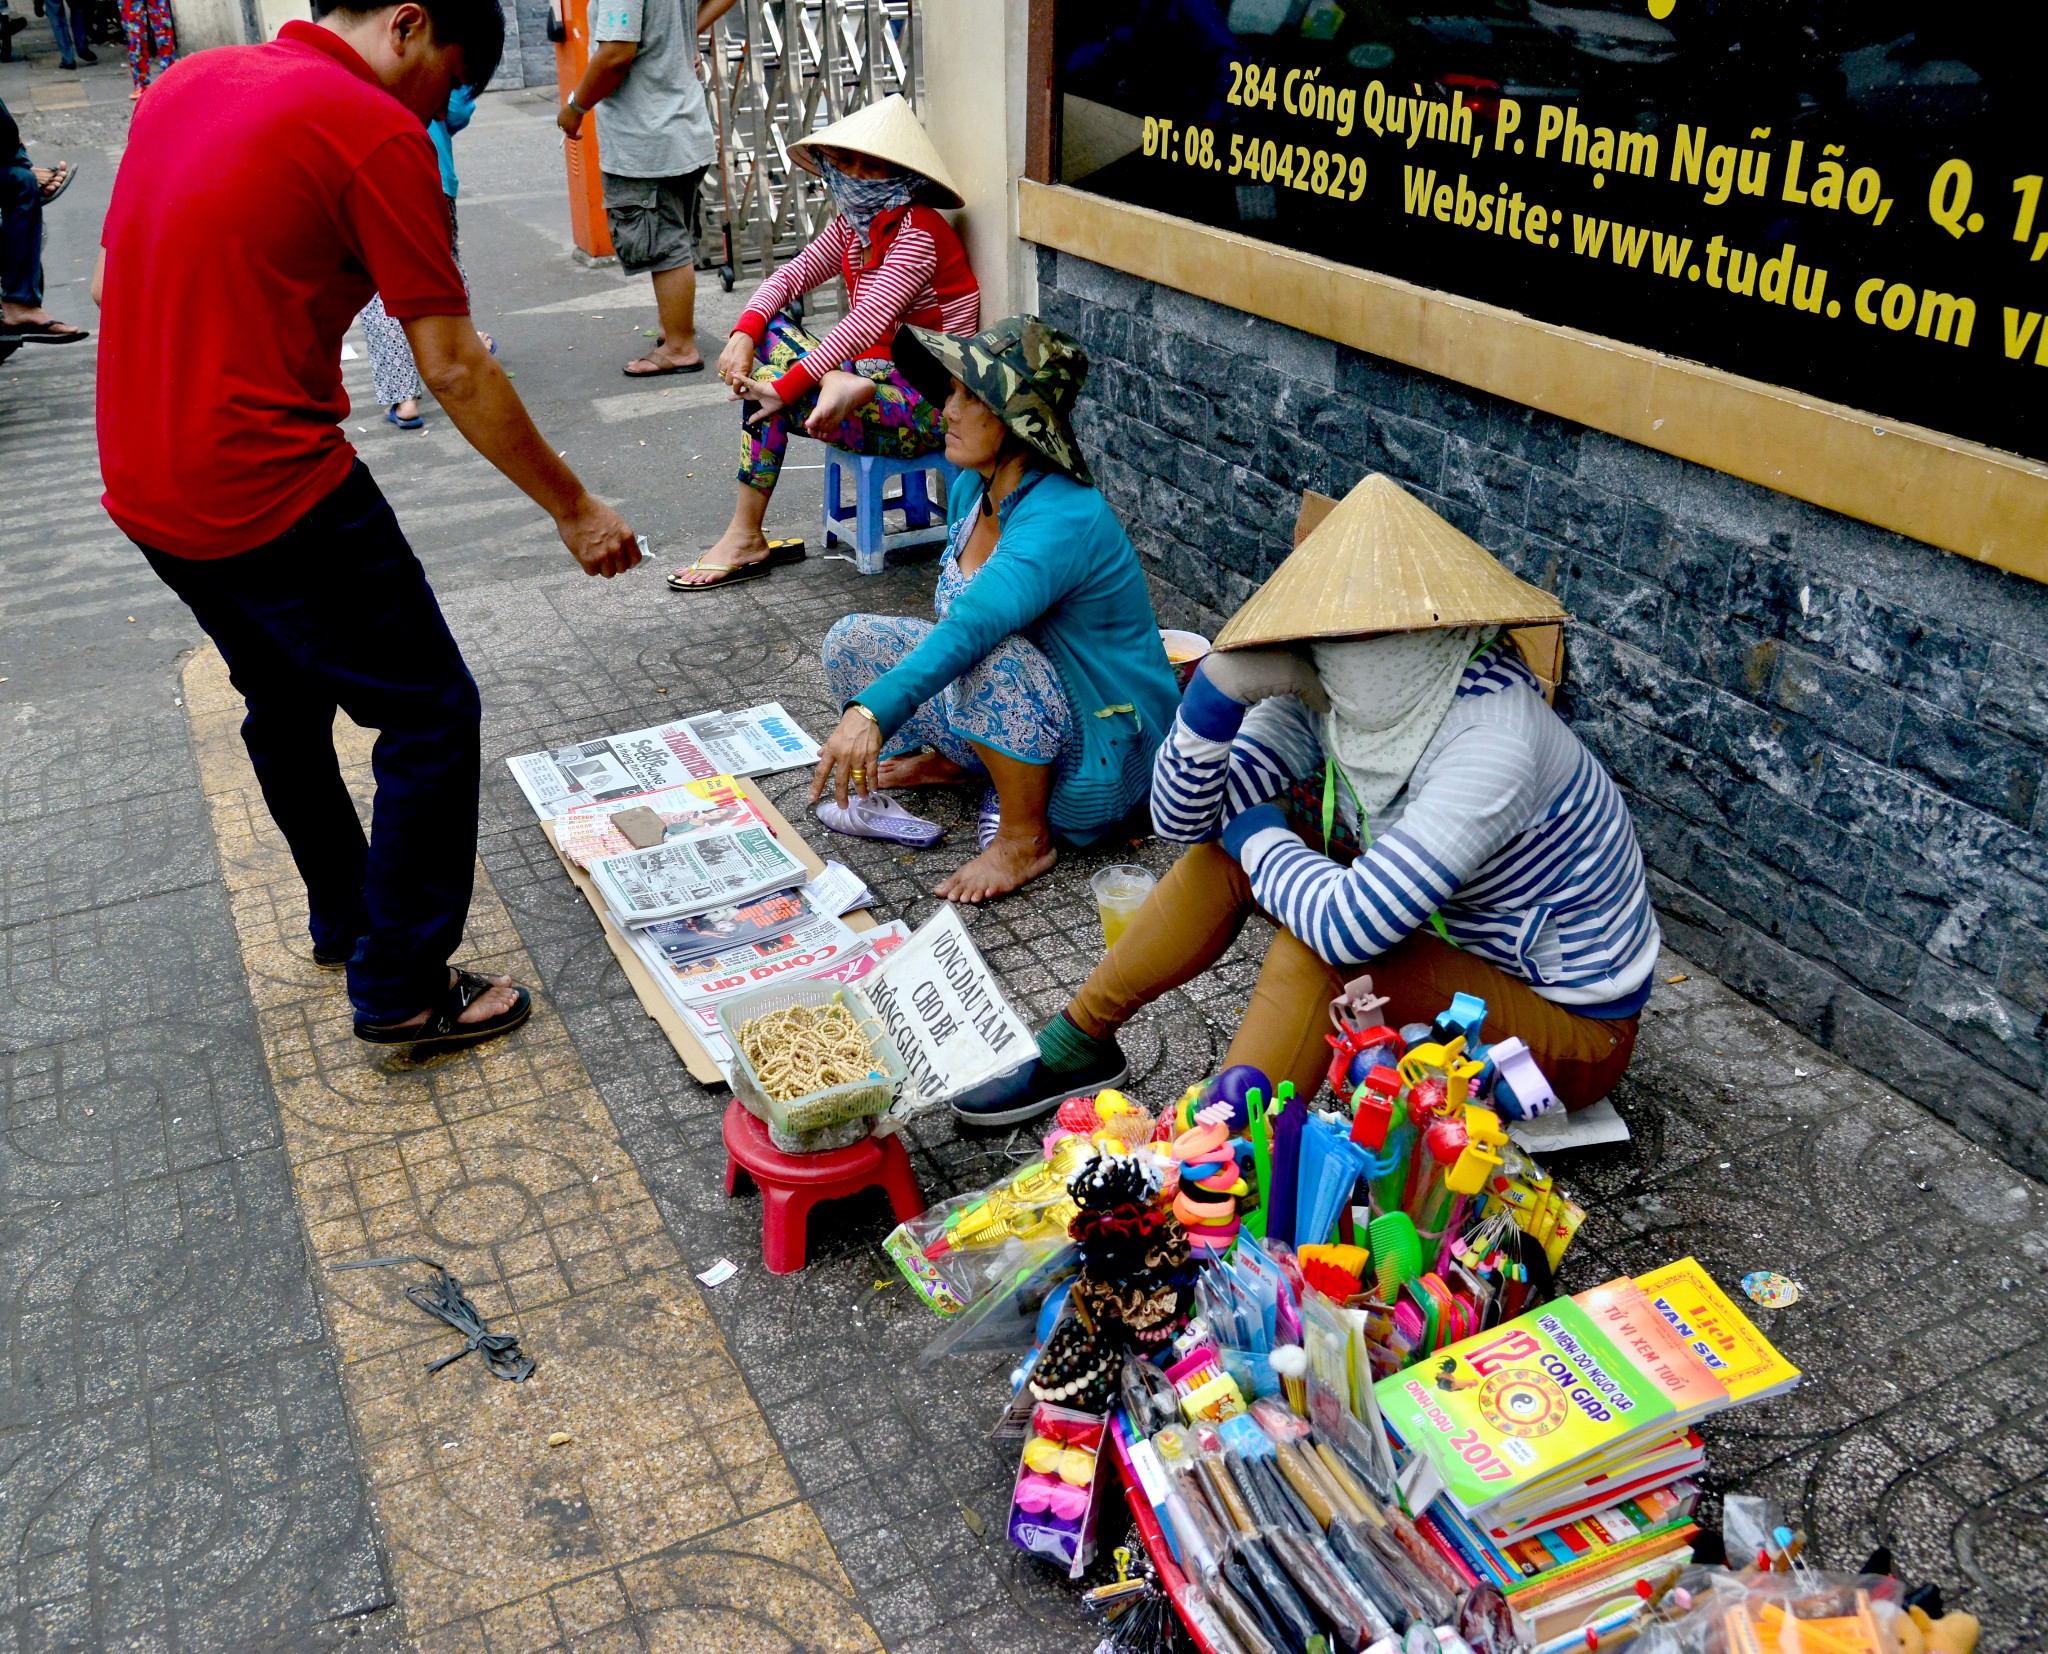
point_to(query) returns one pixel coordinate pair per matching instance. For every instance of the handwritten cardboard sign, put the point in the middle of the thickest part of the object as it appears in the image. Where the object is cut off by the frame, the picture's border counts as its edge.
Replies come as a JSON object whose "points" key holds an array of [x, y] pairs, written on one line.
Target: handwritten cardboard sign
{"points": [[946, 1012]]}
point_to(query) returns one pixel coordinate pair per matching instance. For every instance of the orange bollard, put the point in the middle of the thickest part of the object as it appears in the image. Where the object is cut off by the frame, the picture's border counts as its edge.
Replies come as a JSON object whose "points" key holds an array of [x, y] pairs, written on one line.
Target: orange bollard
{"points": [[587, 222]]}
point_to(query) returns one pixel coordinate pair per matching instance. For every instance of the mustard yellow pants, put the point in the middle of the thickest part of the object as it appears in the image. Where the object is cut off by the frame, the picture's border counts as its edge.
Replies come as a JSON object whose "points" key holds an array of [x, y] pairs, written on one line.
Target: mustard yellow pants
{"points": [[1195, 913]]}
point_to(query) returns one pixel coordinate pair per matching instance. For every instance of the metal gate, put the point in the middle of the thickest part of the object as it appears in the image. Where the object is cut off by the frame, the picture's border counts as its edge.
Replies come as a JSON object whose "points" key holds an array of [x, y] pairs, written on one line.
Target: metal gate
{"points": [[777, 70]]}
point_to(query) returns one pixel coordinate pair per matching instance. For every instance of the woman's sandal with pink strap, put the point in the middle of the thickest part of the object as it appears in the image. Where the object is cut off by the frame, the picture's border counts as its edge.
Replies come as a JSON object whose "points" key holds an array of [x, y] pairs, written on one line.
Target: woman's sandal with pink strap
{"points": [[444, 1025]]}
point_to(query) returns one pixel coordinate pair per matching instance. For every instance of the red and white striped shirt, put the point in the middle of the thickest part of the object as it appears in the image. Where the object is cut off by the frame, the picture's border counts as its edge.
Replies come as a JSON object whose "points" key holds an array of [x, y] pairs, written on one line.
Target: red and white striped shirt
{"points": [[914, 271]]}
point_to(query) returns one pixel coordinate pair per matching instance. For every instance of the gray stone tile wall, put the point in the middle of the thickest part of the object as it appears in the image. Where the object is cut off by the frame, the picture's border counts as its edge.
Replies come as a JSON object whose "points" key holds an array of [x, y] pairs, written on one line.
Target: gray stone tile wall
{"points": [[1834, 739]]}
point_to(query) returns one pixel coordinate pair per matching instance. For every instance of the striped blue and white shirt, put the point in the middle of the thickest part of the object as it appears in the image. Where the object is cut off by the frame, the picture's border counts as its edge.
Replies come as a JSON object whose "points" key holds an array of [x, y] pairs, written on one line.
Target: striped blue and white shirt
{"points": [[1508, 827]]}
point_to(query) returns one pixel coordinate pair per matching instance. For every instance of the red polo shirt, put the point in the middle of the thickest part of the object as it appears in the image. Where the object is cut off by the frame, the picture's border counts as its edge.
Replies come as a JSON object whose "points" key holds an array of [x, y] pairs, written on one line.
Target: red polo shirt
{"points": [[266, 193]]}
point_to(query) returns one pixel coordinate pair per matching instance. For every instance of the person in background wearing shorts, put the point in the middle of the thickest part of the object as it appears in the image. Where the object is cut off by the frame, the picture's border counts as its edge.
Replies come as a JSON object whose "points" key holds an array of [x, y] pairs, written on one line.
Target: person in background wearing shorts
{"points": [[654, 143]]}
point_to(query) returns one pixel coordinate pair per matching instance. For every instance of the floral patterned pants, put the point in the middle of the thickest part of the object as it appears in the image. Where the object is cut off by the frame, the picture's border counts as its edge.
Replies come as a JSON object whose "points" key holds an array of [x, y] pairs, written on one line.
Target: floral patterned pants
{"points": [[152, 41], [897, 424], [393, 372], [1011, 699]]}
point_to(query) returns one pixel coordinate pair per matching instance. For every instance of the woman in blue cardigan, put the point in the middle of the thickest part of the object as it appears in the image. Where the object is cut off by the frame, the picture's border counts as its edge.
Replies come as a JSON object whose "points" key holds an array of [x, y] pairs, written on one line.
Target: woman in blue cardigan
{"points": [[1044, 678]]}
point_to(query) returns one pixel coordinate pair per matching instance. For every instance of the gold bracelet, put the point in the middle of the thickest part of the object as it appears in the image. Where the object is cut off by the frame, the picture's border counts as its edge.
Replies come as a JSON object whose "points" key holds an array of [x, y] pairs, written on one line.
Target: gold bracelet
{"points": [[855, 706]]}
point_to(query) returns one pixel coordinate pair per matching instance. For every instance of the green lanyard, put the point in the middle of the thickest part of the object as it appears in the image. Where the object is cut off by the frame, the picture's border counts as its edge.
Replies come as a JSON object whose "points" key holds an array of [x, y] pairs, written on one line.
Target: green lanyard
{"points": [[1331, 773]]}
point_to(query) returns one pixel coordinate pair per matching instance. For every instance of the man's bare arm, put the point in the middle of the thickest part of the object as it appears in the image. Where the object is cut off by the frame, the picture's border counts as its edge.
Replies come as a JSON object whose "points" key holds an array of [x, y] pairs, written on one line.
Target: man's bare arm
{"points": [[472, 388], [609, 63]]}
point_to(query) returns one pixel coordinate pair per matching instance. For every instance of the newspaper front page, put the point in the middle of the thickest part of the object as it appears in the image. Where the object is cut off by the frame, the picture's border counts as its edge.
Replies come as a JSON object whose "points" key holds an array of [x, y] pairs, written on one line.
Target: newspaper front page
{"points": [[707, 744], [682, 876]]}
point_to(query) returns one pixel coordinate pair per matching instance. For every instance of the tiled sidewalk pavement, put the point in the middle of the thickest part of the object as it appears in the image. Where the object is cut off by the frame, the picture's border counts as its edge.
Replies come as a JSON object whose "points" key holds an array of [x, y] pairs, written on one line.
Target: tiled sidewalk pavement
{"points": [[175, 1464], [1922, 1421], [173, 1451], [628, 1490]]}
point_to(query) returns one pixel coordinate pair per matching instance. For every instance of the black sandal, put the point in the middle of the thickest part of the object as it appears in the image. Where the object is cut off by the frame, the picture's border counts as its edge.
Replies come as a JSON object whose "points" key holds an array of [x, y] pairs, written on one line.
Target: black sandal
{"points": [[442, 1026]]}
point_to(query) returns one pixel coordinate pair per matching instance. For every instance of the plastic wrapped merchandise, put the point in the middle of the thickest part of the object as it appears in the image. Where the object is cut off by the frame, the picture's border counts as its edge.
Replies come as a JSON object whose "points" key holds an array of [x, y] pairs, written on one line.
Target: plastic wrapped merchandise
{"points": [[1054, 1503], [958, 1251], [1803, 1611], [1364, 1564], [1148, 1396], [1289, 1612], [1229, 1595], [1199, 1607]]}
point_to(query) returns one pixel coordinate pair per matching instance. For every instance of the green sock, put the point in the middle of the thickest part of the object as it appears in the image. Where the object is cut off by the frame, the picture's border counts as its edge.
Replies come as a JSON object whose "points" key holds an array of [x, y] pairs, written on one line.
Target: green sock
{"points": [[1064, 1049]]}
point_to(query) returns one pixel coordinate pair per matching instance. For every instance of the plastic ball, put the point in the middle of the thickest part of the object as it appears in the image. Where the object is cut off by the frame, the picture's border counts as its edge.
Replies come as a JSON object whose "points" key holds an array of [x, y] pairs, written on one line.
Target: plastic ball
{"points": [[1079, 1114], [1050, 1311], [1234, 1086]]}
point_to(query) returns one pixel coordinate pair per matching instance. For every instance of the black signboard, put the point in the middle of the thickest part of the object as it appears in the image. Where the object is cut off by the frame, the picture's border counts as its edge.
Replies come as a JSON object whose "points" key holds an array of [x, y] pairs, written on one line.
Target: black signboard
{"points": [[1839, 197]]}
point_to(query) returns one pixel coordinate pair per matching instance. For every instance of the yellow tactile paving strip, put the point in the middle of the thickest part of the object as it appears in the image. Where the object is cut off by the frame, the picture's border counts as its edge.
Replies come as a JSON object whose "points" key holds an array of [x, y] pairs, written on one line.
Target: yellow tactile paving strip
{"points": [[670, 1510]]}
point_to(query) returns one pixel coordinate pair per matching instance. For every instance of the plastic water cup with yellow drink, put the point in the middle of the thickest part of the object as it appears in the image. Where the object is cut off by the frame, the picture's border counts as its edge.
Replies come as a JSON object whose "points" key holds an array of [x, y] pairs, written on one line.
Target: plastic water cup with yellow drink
{"points": [[1119, 892]]}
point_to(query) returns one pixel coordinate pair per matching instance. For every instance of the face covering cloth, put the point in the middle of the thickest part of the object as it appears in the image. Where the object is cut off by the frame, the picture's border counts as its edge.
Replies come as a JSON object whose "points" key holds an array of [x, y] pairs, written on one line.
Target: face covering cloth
{"points": [[863, 200], [1387, 695]]}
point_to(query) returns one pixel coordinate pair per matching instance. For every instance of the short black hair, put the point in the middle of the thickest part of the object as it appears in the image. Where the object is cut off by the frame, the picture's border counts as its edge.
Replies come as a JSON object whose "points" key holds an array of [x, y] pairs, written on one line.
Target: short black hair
{"points": [[477, 26]]}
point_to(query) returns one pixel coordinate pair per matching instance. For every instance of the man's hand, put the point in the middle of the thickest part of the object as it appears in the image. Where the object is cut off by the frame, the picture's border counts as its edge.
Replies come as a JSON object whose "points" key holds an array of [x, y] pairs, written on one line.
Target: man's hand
{"points": [[598, 538], [473, 390], [570, 119]]}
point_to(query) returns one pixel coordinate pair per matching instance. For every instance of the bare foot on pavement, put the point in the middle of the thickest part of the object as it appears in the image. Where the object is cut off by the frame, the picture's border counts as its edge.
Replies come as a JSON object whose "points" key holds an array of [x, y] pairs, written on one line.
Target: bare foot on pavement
{"points": [[918, 769], [1007, 864]]}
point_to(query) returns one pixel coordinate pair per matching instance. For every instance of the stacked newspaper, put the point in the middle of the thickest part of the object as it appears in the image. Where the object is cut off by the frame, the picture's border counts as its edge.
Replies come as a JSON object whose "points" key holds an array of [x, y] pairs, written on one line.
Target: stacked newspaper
{"points": [[714, 868]]}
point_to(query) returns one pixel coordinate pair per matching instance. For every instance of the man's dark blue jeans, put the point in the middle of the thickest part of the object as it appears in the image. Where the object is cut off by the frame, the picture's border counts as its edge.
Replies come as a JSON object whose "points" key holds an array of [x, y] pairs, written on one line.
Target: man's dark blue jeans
{"points": [[337, 612], [21, 221]]}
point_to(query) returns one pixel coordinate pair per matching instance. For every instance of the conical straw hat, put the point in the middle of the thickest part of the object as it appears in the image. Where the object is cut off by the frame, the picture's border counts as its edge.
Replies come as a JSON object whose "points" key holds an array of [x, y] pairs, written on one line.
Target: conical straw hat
{"points": [[889, 131], [1382, 561]]}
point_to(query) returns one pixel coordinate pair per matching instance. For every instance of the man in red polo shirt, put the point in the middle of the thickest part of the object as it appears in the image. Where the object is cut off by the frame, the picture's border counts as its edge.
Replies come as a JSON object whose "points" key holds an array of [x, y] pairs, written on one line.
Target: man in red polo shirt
{"points": [[266, 193]]}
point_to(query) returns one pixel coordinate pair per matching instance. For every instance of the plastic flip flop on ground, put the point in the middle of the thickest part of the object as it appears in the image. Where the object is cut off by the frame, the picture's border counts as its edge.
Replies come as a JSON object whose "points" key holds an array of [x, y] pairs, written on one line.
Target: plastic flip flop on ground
{"points": [[988, 820], [876, 815]]}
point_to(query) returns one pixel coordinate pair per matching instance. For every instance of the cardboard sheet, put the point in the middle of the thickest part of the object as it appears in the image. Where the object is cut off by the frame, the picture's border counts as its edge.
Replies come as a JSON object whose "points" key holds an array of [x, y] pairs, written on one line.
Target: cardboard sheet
{"points": [[652, 1000]]}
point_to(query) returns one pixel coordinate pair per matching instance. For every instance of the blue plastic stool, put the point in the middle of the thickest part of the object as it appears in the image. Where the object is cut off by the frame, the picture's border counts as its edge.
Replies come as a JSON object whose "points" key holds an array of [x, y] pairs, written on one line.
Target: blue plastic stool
{"points": [[924, 517]]}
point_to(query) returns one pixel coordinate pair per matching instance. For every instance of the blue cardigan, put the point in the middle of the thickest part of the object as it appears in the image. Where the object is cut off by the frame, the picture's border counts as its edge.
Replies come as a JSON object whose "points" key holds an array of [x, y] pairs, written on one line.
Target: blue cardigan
{"points": [[1065, 577]]}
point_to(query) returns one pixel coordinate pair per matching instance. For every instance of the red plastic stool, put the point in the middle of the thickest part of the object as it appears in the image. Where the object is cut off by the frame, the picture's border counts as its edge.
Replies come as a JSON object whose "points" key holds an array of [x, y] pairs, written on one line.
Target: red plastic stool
{"points": [[791, 1184]]}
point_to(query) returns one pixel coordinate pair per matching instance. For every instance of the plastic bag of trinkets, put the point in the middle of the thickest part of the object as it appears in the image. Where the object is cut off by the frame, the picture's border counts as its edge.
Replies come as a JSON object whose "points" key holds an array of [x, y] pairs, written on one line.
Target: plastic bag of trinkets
{"points": [[1052, 1507]]}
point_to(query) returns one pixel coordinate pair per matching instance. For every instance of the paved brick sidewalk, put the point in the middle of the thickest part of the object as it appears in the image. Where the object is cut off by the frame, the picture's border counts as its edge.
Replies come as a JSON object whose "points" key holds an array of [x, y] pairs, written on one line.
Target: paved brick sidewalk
{"points": [[178, 1468]]}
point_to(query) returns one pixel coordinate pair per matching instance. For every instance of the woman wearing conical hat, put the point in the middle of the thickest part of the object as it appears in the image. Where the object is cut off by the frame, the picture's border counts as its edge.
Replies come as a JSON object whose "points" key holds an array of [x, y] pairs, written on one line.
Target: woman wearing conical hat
{"points": [[1366, 760], [902, 263]]}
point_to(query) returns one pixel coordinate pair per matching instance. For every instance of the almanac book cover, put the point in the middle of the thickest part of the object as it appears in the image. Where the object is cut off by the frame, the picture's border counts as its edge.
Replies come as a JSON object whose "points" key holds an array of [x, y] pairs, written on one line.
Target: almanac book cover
{"points": [[1521, 1402]]}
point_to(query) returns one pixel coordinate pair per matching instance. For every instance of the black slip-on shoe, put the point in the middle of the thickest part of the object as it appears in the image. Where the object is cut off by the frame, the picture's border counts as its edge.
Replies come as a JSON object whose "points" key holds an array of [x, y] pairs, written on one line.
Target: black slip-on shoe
{"points": [[1043, 1090]]}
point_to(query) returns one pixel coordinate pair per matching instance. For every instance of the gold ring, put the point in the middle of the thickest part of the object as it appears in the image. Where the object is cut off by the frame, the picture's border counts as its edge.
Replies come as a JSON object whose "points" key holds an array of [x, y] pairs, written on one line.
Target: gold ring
{"points": [[857, 772]]}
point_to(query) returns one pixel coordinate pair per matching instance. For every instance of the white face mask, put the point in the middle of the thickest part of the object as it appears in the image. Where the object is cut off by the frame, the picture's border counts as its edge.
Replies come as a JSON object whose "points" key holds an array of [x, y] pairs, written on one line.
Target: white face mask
{"points": [[1387, 695]]}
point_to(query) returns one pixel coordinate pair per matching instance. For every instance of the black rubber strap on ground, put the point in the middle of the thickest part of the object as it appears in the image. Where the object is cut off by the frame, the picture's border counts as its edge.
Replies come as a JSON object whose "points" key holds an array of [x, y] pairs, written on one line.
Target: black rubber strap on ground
{"points": [[444, 1298]]}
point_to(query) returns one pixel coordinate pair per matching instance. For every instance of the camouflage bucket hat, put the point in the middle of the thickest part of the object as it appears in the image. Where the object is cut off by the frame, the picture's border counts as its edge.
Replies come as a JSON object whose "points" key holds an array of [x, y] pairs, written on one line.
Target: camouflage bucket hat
{"points": [[1028, 373]]}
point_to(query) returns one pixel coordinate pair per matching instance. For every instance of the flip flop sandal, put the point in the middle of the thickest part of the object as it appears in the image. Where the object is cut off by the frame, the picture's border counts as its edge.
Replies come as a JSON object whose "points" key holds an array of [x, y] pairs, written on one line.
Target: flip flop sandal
{"points": [[41, 333], [781, 553], [661, 373], [988, 820], [62, 184], [876, 815], [413, 424], [442, 1026]]}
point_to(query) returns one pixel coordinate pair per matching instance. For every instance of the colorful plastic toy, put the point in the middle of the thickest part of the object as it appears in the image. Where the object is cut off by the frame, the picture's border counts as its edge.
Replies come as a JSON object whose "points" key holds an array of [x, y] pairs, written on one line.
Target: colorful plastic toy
{"points": [[1236, 1086], [1520, 1092]]}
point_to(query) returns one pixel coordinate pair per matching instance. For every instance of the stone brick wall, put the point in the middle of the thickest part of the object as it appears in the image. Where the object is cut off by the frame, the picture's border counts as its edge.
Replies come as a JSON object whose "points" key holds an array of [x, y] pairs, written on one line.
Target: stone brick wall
{"points": [[1833, 738]]}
